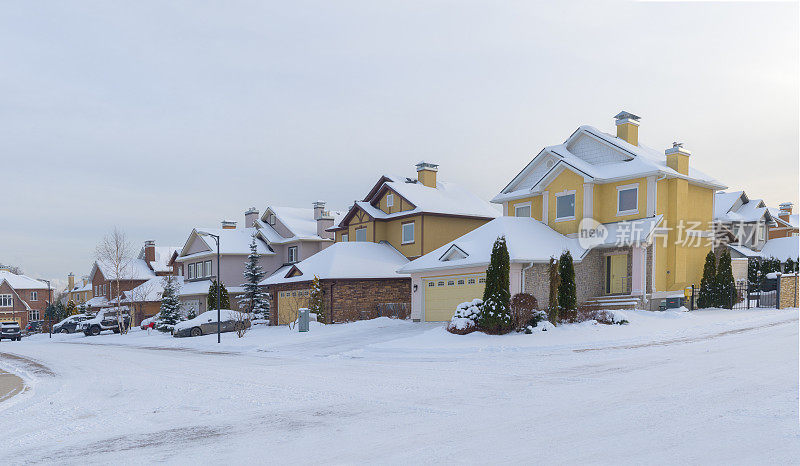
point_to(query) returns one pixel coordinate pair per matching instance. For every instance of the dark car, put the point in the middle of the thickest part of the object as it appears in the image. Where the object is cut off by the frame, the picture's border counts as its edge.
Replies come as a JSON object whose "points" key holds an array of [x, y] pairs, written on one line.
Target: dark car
{"points": [[70, 324], [34, 326], [206, 323], [10, 331]]}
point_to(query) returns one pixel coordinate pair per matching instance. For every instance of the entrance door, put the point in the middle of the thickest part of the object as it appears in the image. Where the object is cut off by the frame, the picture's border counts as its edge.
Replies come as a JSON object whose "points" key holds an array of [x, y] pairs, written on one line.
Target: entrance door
{"points": [[617, 274]]}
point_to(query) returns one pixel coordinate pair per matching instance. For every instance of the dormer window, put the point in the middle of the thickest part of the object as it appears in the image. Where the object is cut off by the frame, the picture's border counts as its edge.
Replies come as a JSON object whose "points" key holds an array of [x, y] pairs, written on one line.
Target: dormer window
{"points": [[292, 254], [389, 200], [271, 219]]}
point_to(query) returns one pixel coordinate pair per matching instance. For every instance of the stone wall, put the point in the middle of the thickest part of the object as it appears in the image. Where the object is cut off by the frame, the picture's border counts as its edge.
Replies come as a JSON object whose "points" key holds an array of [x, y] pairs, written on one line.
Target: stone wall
{"points": [[788, 291]]}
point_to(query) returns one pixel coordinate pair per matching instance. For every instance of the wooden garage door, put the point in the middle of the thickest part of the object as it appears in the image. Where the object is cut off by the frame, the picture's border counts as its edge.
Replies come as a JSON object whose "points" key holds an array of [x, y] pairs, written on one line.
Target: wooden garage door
{"points": [[443, 294], [289, 302]]}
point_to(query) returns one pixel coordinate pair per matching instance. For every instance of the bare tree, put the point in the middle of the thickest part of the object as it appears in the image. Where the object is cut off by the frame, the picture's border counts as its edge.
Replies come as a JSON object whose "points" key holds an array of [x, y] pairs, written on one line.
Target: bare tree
{"points": [[115, 253], [11, 268]]}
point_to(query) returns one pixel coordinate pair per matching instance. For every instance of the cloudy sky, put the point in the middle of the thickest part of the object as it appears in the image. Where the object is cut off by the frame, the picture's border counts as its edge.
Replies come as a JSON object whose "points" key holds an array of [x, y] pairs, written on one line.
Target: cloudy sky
{"points": [[161, 116]]}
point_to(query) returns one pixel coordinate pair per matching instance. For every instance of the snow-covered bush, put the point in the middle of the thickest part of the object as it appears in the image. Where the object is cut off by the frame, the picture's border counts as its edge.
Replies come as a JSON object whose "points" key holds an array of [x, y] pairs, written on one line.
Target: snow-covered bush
{"points": [[465, 318], [600, 316]]}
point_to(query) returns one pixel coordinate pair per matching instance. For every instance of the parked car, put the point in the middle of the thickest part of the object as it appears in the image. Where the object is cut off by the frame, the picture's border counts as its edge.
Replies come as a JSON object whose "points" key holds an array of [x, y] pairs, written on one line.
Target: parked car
{"points": [[106, 319], [10, 331], [70, 324], [206, 323], [34, 326]]}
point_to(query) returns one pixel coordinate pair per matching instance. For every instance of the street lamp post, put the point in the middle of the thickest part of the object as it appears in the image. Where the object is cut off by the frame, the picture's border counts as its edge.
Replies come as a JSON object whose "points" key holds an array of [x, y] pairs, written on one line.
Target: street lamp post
{"points": [[219, 283], [47, 309]]}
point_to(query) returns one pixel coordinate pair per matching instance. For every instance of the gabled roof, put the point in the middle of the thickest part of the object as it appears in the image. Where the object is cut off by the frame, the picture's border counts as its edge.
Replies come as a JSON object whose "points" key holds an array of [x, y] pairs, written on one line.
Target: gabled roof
{"points": [[599, 157], [735, 207], [351, 260], [299, 221], [446, 199], [782, 248], [794, 219], [134, 269], [21, 282], [163, 256], [231, 241]]}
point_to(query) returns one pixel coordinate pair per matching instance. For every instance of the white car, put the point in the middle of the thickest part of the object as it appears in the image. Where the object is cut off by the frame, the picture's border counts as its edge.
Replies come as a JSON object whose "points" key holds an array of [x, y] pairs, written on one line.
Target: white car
{"points": [[106, 319]]}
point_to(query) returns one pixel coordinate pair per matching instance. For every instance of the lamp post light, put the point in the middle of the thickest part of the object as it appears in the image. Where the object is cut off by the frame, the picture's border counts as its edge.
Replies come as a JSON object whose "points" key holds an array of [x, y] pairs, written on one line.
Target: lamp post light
{"points": [[48, 310], [219, 283]]}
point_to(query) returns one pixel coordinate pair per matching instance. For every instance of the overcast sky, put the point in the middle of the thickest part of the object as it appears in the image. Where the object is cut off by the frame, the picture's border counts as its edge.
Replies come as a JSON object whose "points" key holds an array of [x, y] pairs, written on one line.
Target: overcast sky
{"points": [[161, 116]]}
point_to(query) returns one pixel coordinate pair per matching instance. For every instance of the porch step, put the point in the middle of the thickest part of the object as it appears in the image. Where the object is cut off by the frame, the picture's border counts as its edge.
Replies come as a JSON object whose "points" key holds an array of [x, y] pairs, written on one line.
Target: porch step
{"points": [[599, 303]]}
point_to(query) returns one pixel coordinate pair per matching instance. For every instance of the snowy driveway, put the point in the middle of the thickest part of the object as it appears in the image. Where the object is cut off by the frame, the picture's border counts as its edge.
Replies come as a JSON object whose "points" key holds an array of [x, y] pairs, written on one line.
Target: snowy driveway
{"points": [[709, 388]]}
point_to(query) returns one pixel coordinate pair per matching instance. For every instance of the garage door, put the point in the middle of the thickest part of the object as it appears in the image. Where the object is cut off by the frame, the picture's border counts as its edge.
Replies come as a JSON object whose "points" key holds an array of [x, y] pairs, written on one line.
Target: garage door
{"points": [[289, 302], [443, 294]]}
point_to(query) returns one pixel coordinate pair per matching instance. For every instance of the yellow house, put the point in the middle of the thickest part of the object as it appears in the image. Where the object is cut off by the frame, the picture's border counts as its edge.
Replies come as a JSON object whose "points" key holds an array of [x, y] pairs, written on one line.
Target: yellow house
{"points": [[78, 293], [414, 215], [638, 223]]}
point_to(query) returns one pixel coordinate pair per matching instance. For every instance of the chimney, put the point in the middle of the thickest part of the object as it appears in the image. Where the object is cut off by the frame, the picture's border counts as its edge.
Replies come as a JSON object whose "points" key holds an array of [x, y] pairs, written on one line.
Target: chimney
{"points": [[628, 127], [250, 217], [85, 281], [786, 211], [324, 220], [426, 173], [70, 281], [150, 251], [319, 209], [678, 158], [228, 225]]}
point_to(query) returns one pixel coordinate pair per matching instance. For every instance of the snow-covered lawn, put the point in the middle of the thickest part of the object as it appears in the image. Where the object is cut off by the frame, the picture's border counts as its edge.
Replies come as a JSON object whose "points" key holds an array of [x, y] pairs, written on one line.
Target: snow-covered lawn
{"points": [[710, 386]]}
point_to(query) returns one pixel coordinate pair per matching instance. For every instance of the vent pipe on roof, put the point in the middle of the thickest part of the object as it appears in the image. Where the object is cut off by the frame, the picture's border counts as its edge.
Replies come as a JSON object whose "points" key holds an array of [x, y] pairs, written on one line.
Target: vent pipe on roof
{"points": [[628, 127]]}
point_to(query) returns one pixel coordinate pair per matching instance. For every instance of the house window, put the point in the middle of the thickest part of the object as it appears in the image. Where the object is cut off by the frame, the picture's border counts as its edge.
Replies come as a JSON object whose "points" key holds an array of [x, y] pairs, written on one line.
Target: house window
{"points": [[34, 295], [430, 284], [191, 271], [361, 234], [345, 237], [627, 200], [461, 281], [6, 300], [408, 233], [470, 281], [761, 231], [33, 314], [482, 280], [451, 282], [522, 210], [440, 283], [565, 206], [293, 254], [207, 265], [389, 200], [272, 219]]}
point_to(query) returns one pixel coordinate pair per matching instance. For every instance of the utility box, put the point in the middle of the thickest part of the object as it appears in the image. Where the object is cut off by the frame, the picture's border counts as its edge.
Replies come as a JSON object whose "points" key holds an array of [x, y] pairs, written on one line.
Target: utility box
{"points": [[304, 318]]}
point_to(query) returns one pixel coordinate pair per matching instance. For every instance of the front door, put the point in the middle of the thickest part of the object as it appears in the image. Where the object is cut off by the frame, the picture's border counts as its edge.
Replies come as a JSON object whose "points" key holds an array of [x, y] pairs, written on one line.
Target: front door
{"points": [[617, 274]]}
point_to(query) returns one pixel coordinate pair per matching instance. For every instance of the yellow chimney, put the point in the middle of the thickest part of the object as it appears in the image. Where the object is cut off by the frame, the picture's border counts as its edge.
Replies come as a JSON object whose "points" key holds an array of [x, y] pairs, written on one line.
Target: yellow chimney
{"points": [[628, 127], [70, 282], [426, 173], [678, 158]]}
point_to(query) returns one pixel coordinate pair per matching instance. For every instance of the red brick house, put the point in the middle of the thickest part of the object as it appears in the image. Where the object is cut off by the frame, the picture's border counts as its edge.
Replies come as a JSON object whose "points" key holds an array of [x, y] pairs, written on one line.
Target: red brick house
{"points": [[22, 298], [358, 279]]}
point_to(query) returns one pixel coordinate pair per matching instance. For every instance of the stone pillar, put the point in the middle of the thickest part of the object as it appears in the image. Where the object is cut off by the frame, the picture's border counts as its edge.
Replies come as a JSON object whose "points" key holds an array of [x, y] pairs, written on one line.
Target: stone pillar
{"points": [[638, 270]]}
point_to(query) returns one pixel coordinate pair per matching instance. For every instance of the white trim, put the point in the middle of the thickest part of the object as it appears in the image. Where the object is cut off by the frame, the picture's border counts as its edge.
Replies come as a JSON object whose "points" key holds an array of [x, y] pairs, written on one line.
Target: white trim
{"points": [[588, 200], [390, 200], [523, 205], [568, 192], [627, 187], [403, 233], [545, 199], [651, 200]]}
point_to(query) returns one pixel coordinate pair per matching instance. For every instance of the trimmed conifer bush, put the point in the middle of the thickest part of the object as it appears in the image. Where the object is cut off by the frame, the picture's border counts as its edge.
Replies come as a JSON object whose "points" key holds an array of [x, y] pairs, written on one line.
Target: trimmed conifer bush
{"points": [[726, 286], [555, 280], [567, 291], [495, 313], [707, 294], [224, 301]]}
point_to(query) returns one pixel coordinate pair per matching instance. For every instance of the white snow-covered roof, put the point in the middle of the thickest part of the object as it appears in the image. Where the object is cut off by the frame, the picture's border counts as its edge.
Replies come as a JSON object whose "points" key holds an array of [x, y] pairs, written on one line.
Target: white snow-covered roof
{"points": [[782, 248], [134, 269], [528, 240], [745, 251], [623, 161], [151, 290], [163, 255], [728, 210], [299, 221], [231, 241], [345, 260], [794, 219], [21, 282], [97, 301]]}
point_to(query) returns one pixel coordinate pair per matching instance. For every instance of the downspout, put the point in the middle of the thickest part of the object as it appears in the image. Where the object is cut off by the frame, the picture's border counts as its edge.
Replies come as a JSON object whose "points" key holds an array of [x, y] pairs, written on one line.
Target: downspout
{"points": [[522, 285]]}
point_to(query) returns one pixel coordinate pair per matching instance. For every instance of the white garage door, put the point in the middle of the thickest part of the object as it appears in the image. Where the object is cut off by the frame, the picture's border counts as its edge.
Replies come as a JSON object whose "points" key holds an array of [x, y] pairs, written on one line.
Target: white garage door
{"points": [[443, 294]]}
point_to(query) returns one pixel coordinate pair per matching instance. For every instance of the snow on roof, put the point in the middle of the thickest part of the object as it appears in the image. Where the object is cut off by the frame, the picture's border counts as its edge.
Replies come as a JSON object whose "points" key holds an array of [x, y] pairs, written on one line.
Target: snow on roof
{"points": [[794, 219], [744, 250], [21, 282], [151, 290], [97, 301], [201, 287], [163, 255], [782, 248], [528, 240], [635, 161], [134, 269], [299, 221], [231, 241], [345, 260], [754, 210]]}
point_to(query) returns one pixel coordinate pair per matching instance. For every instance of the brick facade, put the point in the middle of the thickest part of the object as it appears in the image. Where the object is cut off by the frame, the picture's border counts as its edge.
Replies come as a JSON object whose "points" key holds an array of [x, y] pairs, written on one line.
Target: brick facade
{"points": [[789, 291], [18, 311], [349, 300]]}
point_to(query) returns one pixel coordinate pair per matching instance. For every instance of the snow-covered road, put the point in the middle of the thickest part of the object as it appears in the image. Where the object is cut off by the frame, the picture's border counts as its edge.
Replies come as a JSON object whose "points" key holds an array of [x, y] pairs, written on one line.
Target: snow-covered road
{"points": [[713, 388]]}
